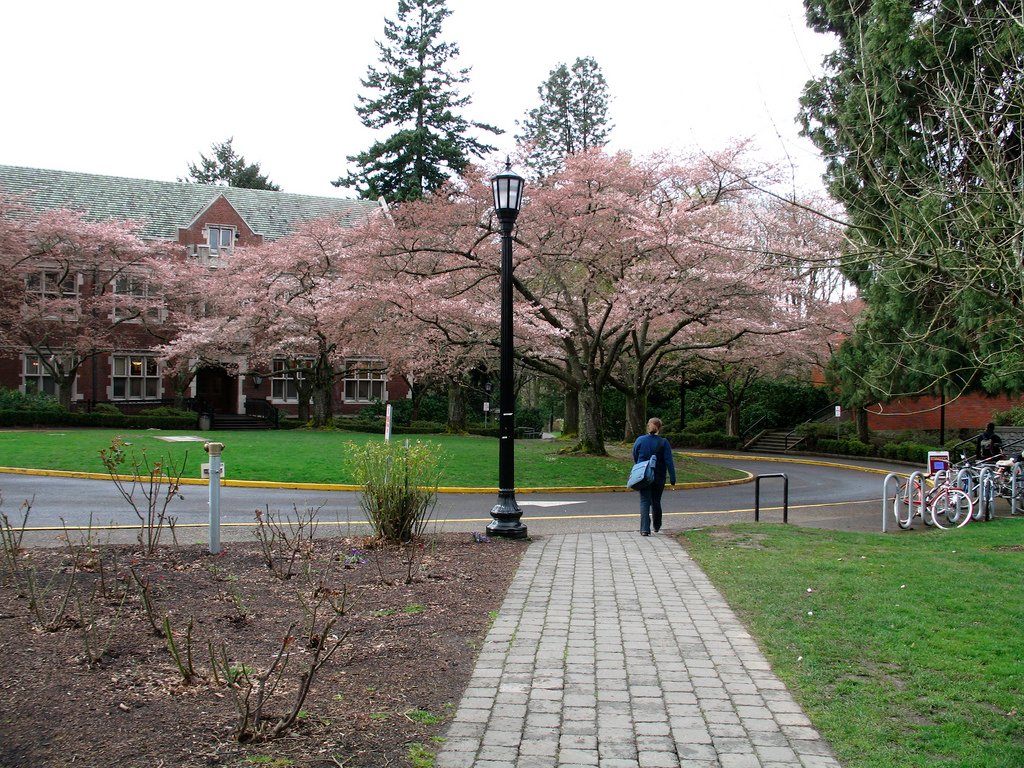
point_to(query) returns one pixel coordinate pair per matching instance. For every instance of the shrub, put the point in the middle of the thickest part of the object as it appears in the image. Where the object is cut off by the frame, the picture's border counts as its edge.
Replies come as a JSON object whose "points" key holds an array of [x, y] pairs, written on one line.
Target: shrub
{"points": [[106, 408], [916, 453], [63, 418], [710, 439], [15, 400], [168, 410], [399, 486], [530, 418], [1014, 417]]}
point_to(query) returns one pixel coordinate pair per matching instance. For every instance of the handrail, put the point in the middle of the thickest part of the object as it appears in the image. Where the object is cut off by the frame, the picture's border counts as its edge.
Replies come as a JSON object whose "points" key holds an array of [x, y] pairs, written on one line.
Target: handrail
{"points": [[262, 409], [816, 416], [750, 428], [967, 441]]}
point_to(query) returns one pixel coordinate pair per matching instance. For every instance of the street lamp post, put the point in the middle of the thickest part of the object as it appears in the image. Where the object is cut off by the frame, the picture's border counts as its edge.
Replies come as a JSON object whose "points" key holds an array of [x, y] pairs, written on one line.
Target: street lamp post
{"points": [[505, 516]]}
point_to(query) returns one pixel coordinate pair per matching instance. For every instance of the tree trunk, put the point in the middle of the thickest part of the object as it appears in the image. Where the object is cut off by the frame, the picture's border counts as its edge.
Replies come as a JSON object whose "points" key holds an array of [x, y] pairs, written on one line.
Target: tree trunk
{"points": [[64, 387], [591, 435], [456, 407], [322, 383], [636, 416], [322, 406], [862, 424], [303, 394], [732, 419], [571, 417], [180, 382]]}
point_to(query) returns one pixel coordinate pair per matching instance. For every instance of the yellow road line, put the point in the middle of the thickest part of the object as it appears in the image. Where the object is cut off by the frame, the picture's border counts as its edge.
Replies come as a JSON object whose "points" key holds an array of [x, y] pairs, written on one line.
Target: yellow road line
{"points": [[603, 516]]}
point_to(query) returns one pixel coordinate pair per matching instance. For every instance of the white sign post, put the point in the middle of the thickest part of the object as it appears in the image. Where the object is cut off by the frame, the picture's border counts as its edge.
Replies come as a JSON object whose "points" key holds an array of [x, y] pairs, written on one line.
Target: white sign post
{"points": [[387, 423], [487, 410], [216, 469]]}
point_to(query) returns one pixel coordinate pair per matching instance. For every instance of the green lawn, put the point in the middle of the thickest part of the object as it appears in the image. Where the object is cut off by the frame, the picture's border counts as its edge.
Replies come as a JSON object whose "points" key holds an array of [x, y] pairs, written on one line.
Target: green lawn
{"points": [[905, 649], [320, 457]]}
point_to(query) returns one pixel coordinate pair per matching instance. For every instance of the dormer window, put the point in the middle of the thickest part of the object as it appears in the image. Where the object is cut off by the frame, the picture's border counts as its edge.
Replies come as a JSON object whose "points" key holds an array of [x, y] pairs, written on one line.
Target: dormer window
{"points": [[221, 240]]}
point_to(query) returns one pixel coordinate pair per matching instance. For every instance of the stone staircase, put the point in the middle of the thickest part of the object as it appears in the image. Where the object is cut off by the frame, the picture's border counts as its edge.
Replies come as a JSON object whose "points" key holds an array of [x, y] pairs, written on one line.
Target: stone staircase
{"points": [[232, 421], [773, 441]]}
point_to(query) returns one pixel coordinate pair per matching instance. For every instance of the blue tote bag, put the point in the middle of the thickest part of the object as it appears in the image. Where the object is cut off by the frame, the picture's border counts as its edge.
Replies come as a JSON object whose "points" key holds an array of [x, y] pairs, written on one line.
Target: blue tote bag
{"points": [[642, 474]]}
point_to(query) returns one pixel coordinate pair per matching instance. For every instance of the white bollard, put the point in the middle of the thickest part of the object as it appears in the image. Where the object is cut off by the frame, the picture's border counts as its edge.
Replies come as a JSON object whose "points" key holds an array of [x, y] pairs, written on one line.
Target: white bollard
{"points": [[215, 450]]}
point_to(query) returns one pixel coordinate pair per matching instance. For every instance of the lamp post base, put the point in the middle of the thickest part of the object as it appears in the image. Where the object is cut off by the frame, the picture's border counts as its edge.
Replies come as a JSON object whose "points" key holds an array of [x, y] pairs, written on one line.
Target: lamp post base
{"points": [[505, 518]]}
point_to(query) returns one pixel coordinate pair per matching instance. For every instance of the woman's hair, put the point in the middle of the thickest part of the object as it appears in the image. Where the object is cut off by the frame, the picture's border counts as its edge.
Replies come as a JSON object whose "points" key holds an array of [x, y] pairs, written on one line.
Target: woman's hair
{"points": [[653, 426]]}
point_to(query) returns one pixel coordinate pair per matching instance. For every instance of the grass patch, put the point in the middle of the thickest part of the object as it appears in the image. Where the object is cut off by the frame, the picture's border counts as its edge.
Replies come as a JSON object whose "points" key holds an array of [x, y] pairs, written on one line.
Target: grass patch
{"points": [[423, 717], [905, 650], [323, 457]]}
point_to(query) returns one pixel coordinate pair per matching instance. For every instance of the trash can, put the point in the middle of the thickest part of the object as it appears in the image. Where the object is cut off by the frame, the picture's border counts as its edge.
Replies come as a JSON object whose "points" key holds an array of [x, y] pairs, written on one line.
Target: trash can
{"points": [[205, 422]]}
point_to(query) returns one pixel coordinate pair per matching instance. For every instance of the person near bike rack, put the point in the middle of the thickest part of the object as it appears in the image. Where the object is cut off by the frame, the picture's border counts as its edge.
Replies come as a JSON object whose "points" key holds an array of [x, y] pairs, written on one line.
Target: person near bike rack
{"points": [[989, 445]]}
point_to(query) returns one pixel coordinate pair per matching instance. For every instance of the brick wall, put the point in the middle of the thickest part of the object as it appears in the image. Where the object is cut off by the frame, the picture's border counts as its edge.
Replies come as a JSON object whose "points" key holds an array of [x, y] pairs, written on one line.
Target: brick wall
{"points": [[972, 411]]}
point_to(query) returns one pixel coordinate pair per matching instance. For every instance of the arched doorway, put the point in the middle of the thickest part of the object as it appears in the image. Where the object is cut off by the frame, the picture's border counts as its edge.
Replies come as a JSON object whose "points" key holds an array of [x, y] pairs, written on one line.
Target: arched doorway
{"points": [[217, 390]]}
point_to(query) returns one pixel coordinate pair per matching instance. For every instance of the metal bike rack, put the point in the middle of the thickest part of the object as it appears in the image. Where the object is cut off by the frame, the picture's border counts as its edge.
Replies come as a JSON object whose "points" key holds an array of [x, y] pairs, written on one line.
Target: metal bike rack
{"points": [[885, 498], [1016, 485], [785, 495], [986, 487], [987, 492], [897, 500]]}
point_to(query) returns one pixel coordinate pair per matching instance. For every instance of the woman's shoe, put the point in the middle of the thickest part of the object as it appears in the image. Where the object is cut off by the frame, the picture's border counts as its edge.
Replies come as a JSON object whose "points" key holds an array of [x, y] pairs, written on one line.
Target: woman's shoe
{"points": [[645, 533]]}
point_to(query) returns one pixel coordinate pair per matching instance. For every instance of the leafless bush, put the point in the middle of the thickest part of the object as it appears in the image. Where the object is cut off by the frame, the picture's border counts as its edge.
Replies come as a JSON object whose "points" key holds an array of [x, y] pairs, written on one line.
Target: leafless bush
{"points": [[283, 540], [148, 487]]}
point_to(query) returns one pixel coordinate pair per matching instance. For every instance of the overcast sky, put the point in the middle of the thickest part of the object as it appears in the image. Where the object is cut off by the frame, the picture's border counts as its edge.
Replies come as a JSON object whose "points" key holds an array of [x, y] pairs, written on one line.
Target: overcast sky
{"points": [[140, 88]]}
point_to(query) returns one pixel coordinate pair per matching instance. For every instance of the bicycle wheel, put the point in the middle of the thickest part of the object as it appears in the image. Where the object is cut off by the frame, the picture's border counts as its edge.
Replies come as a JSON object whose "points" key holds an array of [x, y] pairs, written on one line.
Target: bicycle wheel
{"points": [[951, 508], [903, 504]]}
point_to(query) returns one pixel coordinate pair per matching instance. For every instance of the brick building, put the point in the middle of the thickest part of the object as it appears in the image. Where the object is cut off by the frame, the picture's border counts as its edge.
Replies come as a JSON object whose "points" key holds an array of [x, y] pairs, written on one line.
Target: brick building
{"points": [[208, 221]]}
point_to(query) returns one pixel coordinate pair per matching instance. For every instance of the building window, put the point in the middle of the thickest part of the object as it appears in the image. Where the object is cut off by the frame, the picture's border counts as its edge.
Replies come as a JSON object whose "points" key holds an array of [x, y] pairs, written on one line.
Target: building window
{"points": [[50, 285], [365, 381], [37, 377], [221, 240], [136, 377], [137, 290], [283, 381]]}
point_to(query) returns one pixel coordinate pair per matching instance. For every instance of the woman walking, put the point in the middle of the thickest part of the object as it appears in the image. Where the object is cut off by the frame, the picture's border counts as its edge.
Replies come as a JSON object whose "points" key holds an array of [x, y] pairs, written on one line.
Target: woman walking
{"points": [[652, 444]]}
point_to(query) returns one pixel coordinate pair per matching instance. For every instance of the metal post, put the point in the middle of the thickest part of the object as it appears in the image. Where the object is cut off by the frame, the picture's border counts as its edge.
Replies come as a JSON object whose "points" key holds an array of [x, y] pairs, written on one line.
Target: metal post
{"points": [[215, 450], [885, 498], [1016, 486], [785, 496], [506, 513], [986, 494]]}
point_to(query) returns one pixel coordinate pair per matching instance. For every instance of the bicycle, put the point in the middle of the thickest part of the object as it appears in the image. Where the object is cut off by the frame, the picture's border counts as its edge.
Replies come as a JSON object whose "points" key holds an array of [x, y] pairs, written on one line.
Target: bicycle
{"points": [[1005, 471], [944, 505], [970, 477]]}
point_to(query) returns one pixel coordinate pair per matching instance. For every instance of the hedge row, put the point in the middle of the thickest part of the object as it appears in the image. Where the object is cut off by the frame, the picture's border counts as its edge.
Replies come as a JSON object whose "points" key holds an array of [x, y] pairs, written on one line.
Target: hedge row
{"points": [[377, 426], [915, 453], [52, 418], [714, 439]]}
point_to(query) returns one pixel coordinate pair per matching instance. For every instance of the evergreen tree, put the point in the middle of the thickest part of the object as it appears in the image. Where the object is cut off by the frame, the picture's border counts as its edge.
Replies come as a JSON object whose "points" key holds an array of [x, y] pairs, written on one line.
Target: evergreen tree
{"points": [[920, 115], [572, 116], [418, 97], [228, 168]]}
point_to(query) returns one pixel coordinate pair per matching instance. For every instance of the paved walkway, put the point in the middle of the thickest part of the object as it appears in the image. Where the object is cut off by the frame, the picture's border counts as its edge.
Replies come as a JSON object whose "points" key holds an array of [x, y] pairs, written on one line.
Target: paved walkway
{"points": [[614, 650]]}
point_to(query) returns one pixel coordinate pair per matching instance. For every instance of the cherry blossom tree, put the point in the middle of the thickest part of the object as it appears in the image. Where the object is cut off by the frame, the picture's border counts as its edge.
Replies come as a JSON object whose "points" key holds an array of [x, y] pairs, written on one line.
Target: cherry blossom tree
{"points": [[302, 299], [69, 287], [618, 262]]}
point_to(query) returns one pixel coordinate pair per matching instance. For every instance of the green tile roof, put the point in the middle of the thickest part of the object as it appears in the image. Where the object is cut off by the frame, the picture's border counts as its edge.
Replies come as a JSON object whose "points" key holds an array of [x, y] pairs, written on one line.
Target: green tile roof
{"points": [[163, 206]]}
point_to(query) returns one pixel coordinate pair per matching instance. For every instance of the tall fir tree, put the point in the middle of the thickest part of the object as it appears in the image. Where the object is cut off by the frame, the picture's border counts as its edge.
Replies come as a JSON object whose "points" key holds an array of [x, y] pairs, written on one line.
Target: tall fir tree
{"points": [[227, 168], [919, 115], [418, 97], [572, 116]]}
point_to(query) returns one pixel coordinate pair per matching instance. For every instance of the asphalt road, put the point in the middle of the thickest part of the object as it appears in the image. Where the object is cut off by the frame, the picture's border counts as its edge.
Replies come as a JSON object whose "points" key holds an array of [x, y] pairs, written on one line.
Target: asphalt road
{"points": [[821, 492]]}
